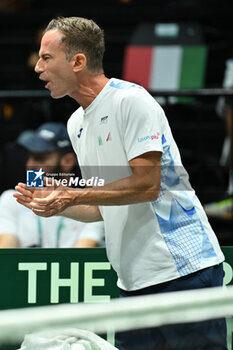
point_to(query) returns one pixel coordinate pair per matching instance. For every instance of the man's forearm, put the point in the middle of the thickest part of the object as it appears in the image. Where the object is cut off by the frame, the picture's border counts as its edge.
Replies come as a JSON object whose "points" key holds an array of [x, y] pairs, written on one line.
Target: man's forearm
{"points": [[143, 185], [129, 190], [84, 213]]}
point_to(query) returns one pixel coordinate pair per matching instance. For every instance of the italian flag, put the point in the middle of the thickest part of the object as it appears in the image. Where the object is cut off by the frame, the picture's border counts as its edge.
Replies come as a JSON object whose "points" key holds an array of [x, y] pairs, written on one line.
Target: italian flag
{"points": [[164, 67]]}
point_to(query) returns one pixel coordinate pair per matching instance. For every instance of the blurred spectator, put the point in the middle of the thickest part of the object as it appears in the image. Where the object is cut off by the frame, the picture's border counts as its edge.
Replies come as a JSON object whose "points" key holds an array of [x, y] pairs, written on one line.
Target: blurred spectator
{"points": [[32, 81], [34, 56], [12, 5], [49, 149], [224, 207]]}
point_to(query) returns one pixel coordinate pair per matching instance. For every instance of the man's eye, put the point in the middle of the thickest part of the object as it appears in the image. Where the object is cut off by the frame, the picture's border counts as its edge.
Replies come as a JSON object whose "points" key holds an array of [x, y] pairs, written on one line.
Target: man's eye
{"points": [[38, 159]]}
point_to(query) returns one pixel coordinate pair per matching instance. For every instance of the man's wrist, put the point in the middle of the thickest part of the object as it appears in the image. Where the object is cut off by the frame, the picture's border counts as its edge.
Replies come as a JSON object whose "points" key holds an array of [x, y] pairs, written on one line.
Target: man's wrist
{"points": [[74, 195]]}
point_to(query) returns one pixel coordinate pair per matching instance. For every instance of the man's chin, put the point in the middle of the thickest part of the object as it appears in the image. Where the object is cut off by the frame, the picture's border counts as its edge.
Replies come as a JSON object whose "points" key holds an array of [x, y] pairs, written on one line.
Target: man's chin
{"points": [[57, 95]]}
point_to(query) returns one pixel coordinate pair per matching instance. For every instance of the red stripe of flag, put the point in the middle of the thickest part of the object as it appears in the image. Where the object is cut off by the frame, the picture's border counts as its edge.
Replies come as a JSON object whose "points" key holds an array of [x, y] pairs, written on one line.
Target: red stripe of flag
{"points": [[137, 65]]}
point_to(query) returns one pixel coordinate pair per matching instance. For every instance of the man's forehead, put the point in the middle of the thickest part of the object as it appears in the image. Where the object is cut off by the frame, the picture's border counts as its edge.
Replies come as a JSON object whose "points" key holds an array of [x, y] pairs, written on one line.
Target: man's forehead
{"points": [[52, 38], [46, 154]]}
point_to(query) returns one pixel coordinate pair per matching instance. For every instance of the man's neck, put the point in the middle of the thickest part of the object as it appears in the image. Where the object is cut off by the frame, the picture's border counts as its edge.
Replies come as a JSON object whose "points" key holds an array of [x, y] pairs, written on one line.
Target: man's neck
{"points": [[88, 88]]}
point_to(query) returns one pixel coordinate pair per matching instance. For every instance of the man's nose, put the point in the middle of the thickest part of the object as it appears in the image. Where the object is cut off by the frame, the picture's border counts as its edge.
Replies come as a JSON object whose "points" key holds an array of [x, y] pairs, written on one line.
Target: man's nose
{"points": [[31, 164], [38, 66]]}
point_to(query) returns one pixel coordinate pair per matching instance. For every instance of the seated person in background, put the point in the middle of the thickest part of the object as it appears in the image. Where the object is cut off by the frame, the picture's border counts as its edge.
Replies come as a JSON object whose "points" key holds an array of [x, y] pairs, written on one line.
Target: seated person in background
{"points": [[50, 149], [223, 208]]}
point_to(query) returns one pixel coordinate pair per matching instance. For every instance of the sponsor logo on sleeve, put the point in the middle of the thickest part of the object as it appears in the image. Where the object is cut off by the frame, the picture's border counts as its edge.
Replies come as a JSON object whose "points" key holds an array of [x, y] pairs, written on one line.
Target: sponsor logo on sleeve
{"points": [[149, 137]]}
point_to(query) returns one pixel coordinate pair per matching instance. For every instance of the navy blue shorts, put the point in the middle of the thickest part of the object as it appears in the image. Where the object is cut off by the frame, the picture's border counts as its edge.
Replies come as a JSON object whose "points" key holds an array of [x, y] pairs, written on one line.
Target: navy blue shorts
{"points": [[205, 335]]}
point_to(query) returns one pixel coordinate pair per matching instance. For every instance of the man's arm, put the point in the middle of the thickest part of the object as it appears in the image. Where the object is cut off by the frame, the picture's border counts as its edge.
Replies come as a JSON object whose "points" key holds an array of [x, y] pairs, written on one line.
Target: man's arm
{"points": [[142, 186], [86, 243], [8, 240], [84, 213], [91, 235], [8, 220]]}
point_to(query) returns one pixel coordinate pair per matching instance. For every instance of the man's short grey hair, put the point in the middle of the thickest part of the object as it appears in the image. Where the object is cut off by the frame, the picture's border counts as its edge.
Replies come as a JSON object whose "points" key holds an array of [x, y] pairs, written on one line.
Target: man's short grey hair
{"points": [[81, 35]]}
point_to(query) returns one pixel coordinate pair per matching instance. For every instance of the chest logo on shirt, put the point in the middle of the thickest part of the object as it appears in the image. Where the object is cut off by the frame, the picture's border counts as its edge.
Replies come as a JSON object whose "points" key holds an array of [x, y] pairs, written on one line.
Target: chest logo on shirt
{"points": [[109, 138], [80, 133], [101, 140], [104, 120]]}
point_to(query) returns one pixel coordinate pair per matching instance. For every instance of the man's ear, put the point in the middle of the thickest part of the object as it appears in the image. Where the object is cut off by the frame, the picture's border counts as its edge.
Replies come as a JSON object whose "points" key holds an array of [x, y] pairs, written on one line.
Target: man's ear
{"points": [[79, 61], [68, 162]]}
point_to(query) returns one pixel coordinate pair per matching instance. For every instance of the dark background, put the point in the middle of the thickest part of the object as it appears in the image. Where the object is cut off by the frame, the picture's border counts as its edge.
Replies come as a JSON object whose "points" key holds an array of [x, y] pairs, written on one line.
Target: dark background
{"points": [[198, 130]]}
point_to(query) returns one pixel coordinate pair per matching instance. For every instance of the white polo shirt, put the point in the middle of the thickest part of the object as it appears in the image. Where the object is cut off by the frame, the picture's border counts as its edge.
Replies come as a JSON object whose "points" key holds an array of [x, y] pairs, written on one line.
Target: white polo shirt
{"points": [[153, 242], [52, 232]]}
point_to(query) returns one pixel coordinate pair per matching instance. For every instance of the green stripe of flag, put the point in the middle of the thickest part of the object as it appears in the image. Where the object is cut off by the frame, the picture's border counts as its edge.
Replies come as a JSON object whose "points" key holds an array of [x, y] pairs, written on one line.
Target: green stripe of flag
{"points": [[193, 67]]}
